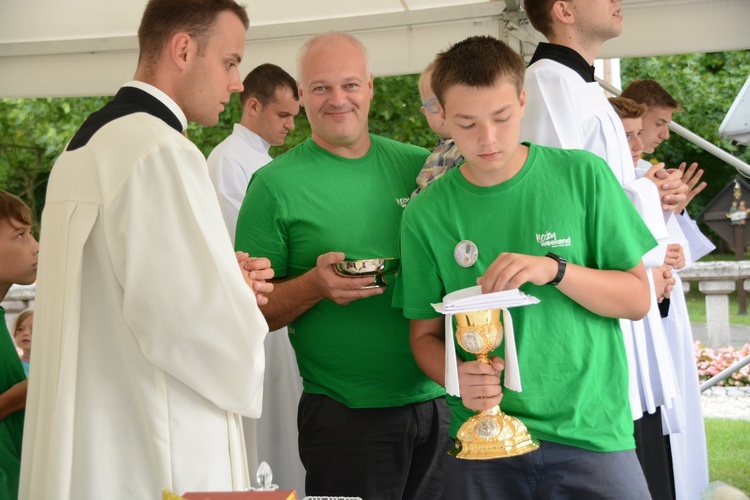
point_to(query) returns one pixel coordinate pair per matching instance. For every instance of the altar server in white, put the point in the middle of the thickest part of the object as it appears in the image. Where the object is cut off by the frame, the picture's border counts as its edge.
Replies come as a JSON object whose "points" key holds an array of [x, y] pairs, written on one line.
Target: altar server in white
{"points": [[684, 422], [566, 108], [148, 337], [270, 102], [678, 340]]}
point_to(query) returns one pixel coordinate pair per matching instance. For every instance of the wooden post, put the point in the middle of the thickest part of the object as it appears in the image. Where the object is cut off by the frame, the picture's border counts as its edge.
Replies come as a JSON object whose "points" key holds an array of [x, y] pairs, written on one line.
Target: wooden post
{"points": [[739, 253]]}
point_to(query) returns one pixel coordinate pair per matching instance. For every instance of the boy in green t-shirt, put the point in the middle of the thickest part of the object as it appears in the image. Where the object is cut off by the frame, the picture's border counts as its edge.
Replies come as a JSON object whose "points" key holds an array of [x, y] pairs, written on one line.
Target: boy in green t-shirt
{"points": [[522, 210], [19, 253]]}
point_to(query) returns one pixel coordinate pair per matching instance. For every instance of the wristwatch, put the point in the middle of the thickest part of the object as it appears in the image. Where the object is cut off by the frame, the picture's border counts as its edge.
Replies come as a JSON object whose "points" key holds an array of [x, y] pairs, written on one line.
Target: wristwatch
{"points": [[561, 265]]}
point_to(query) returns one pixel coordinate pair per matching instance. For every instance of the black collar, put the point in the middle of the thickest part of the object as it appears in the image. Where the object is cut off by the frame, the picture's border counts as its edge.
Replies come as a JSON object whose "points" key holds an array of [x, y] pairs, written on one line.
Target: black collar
{"points": [[127, 101], [565, 56]]}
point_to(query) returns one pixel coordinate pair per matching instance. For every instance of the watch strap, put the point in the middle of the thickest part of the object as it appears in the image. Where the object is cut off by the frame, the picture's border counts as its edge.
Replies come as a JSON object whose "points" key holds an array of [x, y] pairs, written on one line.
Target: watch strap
{"points": [[562, 264]]}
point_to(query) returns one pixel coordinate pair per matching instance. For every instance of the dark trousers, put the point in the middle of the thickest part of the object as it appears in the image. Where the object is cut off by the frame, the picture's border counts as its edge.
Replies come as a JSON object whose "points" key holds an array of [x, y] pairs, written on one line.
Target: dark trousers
{"points": [[553, 472], [372, 453], [655, 455]]}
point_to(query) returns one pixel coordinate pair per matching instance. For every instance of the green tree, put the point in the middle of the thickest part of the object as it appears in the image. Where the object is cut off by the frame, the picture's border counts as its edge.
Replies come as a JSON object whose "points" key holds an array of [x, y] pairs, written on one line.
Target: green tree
{"points": [[706, 85], [394, 113], [33, 133]]}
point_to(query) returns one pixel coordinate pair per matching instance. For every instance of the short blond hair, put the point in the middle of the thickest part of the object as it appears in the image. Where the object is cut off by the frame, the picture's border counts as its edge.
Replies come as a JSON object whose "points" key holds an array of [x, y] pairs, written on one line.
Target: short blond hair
{"points": [[330, 39], [627, 108]]}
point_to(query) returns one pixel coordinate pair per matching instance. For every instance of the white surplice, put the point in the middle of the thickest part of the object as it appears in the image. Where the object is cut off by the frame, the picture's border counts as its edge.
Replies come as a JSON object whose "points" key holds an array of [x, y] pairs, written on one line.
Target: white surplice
{"points": [[272, 438], [565, 111], [147, 341], [684, 421]]}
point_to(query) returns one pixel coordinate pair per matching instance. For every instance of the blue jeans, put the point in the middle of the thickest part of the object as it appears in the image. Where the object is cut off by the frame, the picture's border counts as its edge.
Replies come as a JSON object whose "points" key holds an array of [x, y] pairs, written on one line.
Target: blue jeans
{"points": [[373, 453], [554, 471]]}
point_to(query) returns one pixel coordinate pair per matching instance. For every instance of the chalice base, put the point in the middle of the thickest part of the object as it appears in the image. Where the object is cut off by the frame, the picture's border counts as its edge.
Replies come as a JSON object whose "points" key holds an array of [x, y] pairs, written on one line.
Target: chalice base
{"points": [[492, 434]]}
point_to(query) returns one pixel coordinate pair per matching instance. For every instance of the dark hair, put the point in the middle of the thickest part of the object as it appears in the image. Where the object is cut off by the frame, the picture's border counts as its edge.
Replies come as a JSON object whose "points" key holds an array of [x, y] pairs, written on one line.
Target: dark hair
{"points": [[162, 19], [651, 94], [12, 208], [262, 83], [539, 14], [478, 61], [627, 108]]}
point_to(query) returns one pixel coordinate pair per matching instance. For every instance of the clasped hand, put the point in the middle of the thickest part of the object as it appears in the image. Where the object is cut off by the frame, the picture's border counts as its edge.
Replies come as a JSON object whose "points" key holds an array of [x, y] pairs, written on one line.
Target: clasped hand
{"points": [[672, 190], [663, 279], [256, 271]]}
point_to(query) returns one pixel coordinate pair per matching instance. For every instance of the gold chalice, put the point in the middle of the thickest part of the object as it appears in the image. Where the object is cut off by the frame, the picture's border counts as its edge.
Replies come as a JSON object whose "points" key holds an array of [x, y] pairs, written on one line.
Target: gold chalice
{"points": [[490, 433]]}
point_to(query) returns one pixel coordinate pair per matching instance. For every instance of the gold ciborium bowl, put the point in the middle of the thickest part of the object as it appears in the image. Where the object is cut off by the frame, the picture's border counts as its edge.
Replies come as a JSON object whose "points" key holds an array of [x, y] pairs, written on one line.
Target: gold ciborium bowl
{"points": [[490, 433]]}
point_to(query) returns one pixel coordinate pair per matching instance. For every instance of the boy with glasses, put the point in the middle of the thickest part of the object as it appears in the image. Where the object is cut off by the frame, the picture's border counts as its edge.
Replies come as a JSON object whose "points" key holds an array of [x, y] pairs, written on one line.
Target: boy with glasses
{"points": [[444, 155]]}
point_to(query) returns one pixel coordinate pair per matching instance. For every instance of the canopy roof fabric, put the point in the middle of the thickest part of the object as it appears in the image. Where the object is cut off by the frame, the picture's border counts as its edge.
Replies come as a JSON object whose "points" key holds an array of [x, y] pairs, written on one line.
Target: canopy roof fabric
{"points": [[88, 47]]}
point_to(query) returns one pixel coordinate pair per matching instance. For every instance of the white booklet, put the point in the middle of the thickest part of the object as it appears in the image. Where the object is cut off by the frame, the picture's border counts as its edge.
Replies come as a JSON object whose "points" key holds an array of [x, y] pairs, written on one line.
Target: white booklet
{"points": [[472, 299]]}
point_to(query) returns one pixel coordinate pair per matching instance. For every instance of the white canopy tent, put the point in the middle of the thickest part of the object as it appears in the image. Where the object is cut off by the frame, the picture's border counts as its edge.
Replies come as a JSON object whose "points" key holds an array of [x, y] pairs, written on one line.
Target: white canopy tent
{"points": [[89, 47]]}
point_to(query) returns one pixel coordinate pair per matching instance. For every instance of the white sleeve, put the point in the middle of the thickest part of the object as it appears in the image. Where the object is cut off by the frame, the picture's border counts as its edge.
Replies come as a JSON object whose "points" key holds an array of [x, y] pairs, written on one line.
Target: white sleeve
{"points": [[187, 304], [549, 116], [645, 198], [699, 244], [230, 182]]}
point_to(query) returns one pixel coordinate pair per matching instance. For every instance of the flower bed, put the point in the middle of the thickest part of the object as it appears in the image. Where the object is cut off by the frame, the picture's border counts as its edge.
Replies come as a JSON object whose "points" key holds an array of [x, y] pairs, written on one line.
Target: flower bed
{"points": [[713, 361]]}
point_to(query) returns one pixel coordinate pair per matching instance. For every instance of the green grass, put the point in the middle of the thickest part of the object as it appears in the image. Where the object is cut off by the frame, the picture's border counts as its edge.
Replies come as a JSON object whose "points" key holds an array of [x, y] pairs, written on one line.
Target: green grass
{"points": [[696, 300], [696, 304], [728, 443]]}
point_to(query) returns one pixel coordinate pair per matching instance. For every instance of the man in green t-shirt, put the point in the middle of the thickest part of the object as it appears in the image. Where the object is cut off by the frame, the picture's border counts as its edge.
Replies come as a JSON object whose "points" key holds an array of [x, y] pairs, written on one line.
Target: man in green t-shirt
{"points": [[510, 217], [371, 423], [19, 252]]}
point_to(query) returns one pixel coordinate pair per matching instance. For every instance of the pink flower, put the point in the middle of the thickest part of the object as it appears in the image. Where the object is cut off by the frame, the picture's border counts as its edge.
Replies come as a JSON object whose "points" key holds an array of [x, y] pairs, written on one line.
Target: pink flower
{"points": [[711, 362]]}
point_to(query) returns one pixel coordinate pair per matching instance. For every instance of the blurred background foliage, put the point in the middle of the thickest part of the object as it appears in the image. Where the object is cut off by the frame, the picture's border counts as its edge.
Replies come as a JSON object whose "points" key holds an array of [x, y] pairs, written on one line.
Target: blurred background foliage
{"points": [[33, 132], [706, 85]]}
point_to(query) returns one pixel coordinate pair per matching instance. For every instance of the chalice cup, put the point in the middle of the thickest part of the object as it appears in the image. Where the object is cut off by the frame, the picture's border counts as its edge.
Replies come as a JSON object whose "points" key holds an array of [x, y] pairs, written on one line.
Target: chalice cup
{"points": [[490, 433]]}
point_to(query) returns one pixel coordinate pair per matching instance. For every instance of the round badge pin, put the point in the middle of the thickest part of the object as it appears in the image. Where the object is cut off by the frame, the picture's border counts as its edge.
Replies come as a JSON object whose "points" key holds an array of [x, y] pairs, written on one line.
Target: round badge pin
{"points": [[466, 253]]}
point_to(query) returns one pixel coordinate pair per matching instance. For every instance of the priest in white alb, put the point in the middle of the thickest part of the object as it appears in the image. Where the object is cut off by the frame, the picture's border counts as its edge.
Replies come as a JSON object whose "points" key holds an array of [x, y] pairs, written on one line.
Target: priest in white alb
{"points": [[148, 339]]}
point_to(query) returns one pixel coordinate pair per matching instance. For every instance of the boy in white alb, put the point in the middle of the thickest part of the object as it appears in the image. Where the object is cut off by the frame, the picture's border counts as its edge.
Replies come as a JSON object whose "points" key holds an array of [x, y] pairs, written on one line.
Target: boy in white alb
{"points": [[684, 421]]}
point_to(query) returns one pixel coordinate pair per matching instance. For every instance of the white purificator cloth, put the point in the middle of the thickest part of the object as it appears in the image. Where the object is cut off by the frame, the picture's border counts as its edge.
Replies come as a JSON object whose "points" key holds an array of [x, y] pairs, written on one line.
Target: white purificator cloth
{"points": [[472, 299]]}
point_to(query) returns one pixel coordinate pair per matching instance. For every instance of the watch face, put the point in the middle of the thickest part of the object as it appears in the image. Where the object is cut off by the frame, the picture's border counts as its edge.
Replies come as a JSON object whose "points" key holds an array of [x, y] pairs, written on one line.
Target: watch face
{"points": [[465, 253]]}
